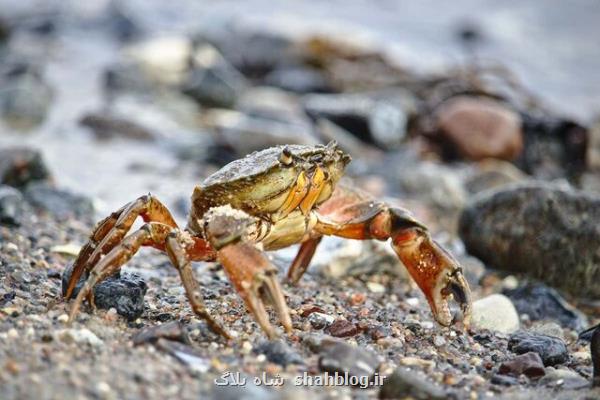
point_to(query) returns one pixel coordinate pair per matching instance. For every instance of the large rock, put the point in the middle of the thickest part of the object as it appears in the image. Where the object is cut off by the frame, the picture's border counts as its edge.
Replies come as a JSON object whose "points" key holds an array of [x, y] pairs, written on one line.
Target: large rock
{"points": [[541, 230], [480, 128]]}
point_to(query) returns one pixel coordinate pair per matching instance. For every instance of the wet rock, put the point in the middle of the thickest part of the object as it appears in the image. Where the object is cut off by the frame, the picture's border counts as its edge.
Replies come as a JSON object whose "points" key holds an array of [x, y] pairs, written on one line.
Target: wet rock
{"points": [[21, 165], [60, 203], [403, 383], [173, 330], [12, 206], [479, 128], [552, 350], [374, 121], [341, 357], [124, 292], [529, 364], [106, 126], [492, 174], [213, 82], [298, 79], [279, 352], [25, 97], [566, 379], [246, 133], [496, 313], [552, 234], [342, 328], [540, 302], [554, 147]]}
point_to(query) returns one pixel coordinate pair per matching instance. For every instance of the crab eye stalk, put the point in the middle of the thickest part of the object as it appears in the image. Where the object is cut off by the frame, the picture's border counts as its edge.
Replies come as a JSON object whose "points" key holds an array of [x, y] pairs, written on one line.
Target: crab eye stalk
{"points": [[285, 157]]}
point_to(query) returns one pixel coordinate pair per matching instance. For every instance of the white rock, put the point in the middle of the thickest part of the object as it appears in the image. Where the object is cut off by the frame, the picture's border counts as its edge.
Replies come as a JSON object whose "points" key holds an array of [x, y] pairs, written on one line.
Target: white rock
{"points": [[80, 336], [496, 313]]}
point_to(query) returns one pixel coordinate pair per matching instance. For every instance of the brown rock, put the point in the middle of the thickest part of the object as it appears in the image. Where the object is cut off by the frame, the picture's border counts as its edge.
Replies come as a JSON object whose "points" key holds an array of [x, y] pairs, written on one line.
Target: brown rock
{"points": [[480, 128], [342, 328], [529, 364]]}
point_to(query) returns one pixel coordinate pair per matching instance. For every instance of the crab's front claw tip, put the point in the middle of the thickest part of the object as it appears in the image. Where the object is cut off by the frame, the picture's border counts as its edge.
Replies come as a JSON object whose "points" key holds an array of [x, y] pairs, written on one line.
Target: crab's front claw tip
{"points": [[451, 284]]}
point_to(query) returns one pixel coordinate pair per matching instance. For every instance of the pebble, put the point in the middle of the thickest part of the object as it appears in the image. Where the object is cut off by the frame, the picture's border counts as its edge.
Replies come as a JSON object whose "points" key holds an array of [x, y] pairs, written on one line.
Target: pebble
{"points": [[552, 229], [480, 128], [319, 320], [12, 206], [278, 352], [496, 313], [80, 336], [552, 350], [341, 357], [342, 328], [403, 383], [541, 302], [528, 364]]}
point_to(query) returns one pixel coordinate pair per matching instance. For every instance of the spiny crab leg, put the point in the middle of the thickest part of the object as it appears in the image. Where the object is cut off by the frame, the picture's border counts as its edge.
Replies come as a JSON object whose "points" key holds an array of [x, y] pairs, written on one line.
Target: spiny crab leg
{"points": [[251, 273]]}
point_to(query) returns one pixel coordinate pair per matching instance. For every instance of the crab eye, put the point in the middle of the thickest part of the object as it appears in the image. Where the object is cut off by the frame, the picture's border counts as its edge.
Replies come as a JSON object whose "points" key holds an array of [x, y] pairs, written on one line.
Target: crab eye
{"points": [[285, 157]]}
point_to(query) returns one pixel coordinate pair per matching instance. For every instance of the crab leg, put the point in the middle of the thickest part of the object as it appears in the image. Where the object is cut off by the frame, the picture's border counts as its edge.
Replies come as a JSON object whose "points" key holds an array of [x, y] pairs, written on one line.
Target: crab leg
{"points": [[248, 269], [110, 231], [300, 263], [352, 214]]}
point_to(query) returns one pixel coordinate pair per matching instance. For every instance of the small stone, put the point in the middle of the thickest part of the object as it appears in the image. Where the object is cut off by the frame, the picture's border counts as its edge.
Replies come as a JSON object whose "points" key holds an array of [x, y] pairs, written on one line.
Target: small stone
{"points": [[80, 336], [13, 333], [279, 352], [496, 313], [342, 328], [439, 341], [63, 318], [480, 128], [404, 383], [171, 330], [375, 287], [341, 357], [417, 362], [552, 350], [528, 364], [319, 320]]}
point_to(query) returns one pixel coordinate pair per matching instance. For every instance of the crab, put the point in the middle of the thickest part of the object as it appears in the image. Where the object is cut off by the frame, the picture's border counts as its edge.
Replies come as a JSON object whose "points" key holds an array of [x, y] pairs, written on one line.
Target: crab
{"points": [[265, 201]]}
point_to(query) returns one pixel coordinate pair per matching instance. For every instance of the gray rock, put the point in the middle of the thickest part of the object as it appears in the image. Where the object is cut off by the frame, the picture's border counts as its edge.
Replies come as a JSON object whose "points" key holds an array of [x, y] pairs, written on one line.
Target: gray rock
{"points": [[552, 234], [107, 126], [173, 330], [492, 174], [551, 349], [12, 206], [278, 352], [25, 97], [20, 166], [540, 302], [404, 383], [336, 356], [60, 203], [496, 313], [564, 378], [125, 292], [299, 79]]}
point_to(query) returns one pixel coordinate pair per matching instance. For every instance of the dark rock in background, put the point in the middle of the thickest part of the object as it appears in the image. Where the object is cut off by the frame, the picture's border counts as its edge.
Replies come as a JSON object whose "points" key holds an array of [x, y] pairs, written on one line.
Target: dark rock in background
{"points": [[279, 352], [124, 292], [552, 350], [106, 126], [20, 166], [540, 302], [12, 206], [540, 230], [60, 203], [25, 96]]}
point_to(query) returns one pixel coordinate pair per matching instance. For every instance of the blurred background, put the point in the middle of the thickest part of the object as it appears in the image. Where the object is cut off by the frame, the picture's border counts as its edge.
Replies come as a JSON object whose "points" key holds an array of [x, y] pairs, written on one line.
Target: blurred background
{"points": [[481, 117]]}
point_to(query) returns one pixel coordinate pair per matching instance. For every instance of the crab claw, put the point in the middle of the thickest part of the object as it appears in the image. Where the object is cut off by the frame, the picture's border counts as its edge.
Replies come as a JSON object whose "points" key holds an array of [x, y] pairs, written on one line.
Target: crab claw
{"points": [[436, 273]]}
